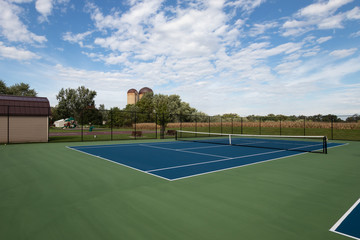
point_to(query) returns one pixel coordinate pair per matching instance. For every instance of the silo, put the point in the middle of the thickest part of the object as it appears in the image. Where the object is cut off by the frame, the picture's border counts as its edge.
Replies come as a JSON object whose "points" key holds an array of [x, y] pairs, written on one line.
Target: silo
{"points": [[132, 96], [143, 91]]}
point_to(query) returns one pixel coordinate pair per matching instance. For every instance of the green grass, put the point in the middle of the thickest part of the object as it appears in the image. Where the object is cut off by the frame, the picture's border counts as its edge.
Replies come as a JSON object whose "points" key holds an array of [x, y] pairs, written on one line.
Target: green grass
{"points": [[339, 134], [51, 192]]}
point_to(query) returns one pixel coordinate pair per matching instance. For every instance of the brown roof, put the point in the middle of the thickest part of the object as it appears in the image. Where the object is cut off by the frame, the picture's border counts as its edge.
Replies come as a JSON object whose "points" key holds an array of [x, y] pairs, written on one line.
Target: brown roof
{"points": [[132, 91], [24, 106], [145, 90]]}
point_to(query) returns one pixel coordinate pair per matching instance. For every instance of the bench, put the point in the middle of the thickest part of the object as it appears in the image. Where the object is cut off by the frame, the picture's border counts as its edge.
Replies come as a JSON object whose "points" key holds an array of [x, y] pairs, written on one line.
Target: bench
{"points": [[136, 133], [171, 132]]}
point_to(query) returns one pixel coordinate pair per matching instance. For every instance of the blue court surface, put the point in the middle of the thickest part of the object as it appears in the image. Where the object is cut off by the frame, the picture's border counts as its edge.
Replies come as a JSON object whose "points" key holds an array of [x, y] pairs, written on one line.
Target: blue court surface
{"points": [[349, 224], [177, 160]]}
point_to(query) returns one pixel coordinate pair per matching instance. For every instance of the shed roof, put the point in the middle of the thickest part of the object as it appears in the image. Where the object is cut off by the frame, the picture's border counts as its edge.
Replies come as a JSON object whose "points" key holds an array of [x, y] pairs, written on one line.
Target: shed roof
{"points": [[24, 106]]}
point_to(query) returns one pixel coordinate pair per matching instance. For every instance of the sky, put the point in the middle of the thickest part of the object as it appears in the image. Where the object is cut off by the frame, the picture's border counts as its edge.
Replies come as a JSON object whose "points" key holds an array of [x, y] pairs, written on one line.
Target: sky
{"points": [[220, 56]]}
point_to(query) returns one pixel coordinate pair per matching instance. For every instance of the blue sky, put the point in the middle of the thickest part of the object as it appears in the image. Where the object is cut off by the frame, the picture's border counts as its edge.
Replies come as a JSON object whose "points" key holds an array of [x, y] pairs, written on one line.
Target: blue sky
{"points": [[241, 56]]}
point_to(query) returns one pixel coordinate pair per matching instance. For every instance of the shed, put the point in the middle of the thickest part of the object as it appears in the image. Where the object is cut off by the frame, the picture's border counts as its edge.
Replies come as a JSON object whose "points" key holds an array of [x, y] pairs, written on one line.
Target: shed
{"points": [[24, 119]]}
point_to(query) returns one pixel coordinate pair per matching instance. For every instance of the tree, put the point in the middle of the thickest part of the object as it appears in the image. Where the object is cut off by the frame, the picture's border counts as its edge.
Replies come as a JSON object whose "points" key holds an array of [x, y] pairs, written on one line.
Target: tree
{"points": [[353, 118], [230, 115], [169, 108], [72, 102], [92, 116], [18, 89], [104, 113], [3, 88], [21, 89]]}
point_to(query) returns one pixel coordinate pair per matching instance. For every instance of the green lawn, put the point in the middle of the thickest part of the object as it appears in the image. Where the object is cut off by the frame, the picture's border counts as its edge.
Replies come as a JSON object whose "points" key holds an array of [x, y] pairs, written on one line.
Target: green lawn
{"points": [[51, 192]]}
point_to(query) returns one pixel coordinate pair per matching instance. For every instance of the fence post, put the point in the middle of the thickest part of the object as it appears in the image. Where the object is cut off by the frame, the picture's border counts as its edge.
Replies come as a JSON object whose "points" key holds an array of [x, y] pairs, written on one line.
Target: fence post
{"points": [[111, 124], [135, 125], [181, 119], [48, 117], [241, 128], [221, 128], [156, 126], [260, 125], [82, 125], [162, 128], [304, 126], [195, 125], [332, 129], [280, 127], [8, 125], [209, 125], [232, 125]]}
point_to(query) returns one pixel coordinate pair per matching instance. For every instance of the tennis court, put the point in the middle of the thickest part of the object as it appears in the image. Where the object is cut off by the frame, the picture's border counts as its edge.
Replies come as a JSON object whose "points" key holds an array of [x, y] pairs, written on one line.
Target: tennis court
{"points": [[65, 191], [199, 155]]}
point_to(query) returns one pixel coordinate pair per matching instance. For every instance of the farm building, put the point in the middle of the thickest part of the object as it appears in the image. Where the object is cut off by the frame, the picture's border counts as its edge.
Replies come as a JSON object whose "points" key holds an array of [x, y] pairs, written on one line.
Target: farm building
{"points": [[24, 119]]}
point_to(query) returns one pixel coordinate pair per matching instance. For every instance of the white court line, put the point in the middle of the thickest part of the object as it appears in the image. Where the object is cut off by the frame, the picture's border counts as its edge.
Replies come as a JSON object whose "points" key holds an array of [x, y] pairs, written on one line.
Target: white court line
{"points": [[224, 169], [213, 161], [118, 163], [205, 147], [180, 150], [338, 223]]}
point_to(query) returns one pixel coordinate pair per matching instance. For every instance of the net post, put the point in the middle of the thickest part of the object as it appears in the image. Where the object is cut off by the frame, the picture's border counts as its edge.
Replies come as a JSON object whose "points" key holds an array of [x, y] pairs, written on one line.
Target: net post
{"points": [[325, 145], [229, 139], [176, 135]]}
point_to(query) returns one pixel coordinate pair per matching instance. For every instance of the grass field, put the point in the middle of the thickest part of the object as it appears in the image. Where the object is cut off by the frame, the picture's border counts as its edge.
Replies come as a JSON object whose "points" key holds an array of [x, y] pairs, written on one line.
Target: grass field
{"points": [[51, 192], [148, 131]]}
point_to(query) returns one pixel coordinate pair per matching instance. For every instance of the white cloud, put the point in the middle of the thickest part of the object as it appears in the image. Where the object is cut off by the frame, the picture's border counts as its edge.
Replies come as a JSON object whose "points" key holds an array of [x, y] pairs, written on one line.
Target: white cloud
{"points": [[355, 34], [353, 14], [262, 28], [287, 67], [247, 5], [145, 32], [323, 39], [343, 53], [44, 7], [16, 53], [323, 8], [77, 38], [320, 15], [11, 26]]}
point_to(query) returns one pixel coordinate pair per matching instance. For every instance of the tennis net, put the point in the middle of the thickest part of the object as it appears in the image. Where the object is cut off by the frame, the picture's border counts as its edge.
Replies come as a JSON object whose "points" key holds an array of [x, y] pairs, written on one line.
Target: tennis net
{"points": [[291, 143]]}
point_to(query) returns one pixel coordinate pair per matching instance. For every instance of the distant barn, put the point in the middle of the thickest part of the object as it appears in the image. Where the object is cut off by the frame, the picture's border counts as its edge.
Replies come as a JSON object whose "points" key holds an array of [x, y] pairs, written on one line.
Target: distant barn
{"points": [[24, 119]]}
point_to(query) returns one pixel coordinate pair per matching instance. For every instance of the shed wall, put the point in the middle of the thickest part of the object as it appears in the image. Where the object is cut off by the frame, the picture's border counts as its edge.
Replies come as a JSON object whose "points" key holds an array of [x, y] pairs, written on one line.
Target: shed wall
{"points": [[3, 129], [28, 129]]}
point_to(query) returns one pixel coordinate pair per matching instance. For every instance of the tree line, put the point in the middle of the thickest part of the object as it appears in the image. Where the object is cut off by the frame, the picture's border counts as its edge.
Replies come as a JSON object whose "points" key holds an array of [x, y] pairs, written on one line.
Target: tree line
{"points": [[80, 104], [19, 89]]}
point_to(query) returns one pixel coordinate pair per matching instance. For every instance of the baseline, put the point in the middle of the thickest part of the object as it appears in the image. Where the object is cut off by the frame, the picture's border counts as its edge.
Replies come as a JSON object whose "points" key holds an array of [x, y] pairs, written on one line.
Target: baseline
{"points": [[347, 225]]}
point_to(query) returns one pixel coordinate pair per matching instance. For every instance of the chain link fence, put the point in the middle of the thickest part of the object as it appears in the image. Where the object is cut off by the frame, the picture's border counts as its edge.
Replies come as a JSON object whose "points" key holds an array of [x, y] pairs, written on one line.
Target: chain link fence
{"points": [[110, 125]]}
